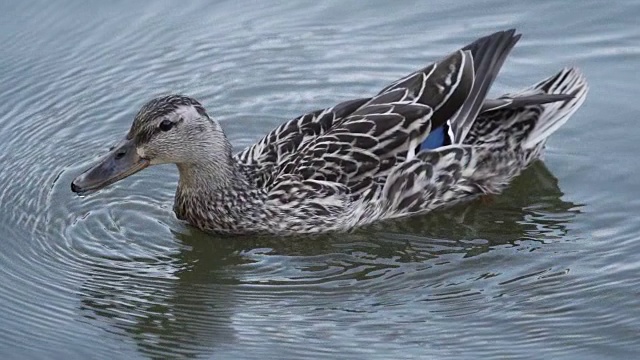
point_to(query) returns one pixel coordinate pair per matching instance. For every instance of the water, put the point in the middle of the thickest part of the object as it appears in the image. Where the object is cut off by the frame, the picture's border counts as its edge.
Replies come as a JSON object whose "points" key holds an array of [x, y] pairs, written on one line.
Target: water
{"points": [[548, 270]]}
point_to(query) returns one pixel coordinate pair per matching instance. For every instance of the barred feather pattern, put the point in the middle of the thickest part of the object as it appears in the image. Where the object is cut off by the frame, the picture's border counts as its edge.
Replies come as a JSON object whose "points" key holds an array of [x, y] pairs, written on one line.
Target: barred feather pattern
{"points": [[355, 163]]}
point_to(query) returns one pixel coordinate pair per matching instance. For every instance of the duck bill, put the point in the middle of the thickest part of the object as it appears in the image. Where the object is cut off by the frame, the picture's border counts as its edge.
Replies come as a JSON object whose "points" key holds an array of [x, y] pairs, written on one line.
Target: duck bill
{"points": [[119, 163]]}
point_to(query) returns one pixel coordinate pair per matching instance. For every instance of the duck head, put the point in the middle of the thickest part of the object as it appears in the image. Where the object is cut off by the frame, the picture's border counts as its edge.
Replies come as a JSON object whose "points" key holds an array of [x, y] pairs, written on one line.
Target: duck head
{"points": [[170, 129]]}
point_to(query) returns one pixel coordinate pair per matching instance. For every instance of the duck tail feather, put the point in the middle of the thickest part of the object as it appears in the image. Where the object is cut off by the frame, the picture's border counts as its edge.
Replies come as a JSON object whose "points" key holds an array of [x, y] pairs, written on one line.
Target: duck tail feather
{"points": [[569, 82]]}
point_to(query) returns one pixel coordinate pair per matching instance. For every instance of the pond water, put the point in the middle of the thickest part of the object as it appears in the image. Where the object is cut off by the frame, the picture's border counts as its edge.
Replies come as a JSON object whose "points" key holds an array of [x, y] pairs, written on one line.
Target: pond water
{"points": [[549, 269]]}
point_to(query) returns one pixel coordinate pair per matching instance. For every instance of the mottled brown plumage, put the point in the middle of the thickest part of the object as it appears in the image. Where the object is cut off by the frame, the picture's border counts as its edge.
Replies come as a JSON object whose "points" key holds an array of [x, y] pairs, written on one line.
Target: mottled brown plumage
{"points": [[357, 162]]}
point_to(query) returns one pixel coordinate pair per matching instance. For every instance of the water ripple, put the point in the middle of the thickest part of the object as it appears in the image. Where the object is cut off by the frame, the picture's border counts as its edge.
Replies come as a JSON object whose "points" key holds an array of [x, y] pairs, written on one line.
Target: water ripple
{"points": [[540, 267]]}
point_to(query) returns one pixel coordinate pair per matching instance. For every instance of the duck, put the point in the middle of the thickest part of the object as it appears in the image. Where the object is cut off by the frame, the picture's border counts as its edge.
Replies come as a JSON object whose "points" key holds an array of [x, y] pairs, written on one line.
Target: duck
{"points": [[427, 141]]}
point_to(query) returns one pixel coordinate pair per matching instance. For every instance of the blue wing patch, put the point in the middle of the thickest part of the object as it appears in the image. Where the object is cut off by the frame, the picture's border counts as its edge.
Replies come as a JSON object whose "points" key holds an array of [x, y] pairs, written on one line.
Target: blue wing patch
{"points": [[434, 140], [437, 137]]}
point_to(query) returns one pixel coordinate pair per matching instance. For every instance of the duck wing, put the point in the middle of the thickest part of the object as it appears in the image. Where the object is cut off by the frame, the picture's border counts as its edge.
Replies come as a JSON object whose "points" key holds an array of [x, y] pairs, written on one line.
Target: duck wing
{"points": [[287, 138], [358, 140], [385, 129], [382, 125]]}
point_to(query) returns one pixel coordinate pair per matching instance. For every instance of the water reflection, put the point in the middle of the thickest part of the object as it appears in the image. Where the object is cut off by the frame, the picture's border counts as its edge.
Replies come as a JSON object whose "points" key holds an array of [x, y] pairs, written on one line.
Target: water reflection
{"points": [[186, 304], [172, 307]]}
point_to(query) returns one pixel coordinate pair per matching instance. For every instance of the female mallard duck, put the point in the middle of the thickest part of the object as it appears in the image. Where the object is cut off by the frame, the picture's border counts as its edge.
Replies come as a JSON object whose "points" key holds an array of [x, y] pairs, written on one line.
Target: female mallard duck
{"points": [[428, 140]]}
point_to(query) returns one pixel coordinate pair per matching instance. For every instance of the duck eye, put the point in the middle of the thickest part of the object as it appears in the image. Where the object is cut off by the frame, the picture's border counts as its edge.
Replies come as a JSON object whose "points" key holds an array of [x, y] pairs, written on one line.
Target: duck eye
{"points": [[166, 125]]}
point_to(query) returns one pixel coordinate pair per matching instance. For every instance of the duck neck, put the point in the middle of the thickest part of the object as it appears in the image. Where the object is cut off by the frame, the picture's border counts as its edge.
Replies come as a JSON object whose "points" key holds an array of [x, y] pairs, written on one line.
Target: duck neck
{"points": [[203, 179], [212, 195]]}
